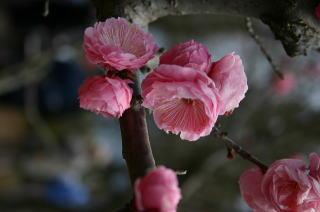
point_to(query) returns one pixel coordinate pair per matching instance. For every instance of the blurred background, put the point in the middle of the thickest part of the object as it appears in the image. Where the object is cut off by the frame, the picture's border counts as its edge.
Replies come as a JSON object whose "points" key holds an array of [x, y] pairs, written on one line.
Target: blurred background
{"points": [[56, 157]]}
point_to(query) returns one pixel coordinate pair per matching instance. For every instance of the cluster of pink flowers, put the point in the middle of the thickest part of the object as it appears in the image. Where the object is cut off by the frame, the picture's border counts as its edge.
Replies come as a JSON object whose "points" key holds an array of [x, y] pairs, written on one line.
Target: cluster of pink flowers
{"points": [[187, 92], [157, 191], [115, 45], [287, 186]]}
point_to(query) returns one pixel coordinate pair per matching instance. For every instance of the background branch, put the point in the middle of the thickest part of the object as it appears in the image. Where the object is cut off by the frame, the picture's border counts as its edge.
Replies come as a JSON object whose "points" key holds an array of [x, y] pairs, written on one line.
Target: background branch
{"points": [[256, 38], [292, 21], [28, 72], [232, 145]]}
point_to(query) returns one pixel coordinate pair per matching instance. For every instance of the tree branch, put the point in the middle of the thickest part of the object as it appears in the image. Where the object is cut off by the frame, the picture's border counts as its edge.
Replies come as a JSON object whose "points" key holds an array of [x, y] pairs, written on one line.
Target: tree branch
{"points": [[232, 145], [292, 21], [136, 149], [256, 38]]}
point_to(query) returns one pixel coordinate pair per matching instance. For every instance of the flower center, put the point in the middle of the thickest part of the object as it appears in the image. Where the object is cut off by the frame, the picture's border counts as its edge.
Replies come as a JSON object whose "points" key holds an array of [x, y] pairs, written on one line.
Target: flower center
{"points": [[188, 101]]}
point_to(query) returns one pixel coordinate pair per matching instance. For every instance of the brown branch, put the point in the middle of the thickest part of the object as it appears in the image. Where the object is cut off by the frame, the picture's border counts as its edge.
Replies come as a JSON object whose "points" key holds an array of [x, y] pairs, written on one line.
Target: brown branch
{"points": [[292, 21], [136, 147], [256, 38], [232, 145]]}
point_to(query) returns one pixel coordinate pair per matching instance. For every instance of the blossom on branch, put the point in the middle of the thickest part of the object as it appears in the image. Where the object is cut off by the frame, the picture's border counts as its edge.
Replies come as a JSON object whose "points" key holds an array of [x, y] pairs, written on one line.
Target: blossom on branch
{"points": [[116, 44], [183, 100], [186, 96], [288, 186], [188, 54], [109, 97], [157, 191], [231, 81]]}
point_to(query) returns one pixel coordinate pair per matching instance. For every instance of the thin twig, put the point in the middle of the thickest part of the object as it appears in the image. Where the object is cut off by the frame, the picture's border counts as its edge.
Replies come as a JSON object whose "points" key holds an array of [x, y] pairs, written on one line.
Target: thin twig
{"points": [[40, 125], [30, 71], [231, 144], [46, 9], [256, 38]]}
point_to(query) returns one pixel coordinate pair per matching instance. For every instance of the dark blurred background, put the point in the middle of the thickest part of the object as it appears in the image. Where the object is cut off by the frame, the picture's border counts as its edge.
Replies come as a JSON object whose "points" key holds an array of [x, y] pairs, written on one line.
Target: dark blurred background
{"points": [[56, 157]]}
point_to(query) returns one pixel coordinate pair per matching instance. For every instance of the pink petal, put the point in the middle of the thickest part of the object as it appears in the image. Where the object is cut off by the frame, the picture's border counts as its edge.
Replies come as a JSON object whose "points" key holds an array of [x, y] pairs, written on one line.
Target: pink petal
{"points": [[116, 44], [231, 81], [158, 191], [250, 187], [183, 100], [109, 97], [188, 54]]}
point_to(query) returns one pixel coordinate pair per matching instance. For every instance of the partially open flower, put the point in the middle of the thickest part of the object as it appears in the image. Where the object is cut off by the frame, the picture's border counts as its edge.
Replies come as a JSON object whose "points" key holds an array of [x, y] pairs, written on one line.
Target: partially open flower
{"points": [[117, 45], [109, 97], [188, 54], [231, 81], [157, 191], [183, 100]]}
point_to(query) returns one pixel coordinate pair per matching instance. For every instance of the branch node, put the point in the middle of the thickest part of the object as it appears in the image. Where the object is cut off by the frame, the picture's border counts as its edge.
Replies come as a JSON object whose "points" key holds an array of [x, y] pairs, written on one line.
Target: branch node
{"points": [[231, 153], [233, 148]]}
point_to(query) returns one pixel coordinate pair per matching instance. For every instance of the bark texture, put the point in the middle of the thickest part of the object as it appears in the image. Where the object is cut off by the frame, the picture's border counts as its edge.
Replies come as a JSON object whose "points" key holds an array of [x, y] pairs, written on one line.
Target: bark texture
{"points": [[293, 22], [136, 148]]}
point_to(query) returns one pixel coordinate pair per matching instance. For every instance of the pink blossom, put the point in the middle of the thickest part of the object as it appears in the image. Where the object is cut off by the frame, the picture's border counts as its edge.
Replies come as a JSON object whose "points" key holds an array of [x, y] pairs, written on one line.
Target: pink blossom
{"points": [[117, 45], [315, 166], [183, 100], [109, 97], [231, 81], [317, 11], [158, 191], [188, 54], [250, 187], [287, 186], [284, 86]]}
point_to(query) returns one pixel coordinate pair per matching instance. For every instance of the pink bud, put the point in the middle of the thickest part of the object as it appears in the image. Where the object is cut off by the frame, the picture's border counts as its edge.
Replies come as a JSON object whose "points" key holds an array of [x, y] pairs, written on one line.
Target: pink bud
{"points": [[157, 191], [117, 45], [109, 97], [188, 54]]}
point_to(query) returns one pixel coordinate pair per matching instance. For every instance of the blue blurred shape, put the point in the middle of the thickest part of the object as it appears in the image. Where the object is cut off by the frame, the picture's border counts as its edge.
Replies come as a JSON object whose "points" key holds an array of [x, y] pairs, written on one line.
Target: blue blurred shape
{"points": [[67, 192]]}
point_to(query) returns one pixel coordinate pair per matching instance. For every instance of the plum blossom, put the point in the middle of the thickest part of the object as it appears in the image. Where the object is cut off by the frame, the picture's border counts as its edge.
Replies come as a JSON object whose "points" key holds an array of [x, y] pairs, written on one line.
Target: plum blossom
{"points": [[188, 54], [231, 81], [183, 100], [288, 186], [117, 45], [187, 93], [284, 86], [109, 97], [157, 191]]}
